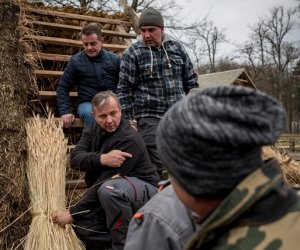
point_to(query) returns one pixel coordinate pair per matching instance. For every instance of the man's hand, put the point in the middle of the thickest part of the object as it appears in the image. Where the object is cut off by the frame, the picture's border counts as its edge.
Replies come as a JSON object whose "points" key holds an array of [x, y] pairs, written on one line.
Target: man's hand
{"points": [[62, 217], [68, 119], [114, 158]]}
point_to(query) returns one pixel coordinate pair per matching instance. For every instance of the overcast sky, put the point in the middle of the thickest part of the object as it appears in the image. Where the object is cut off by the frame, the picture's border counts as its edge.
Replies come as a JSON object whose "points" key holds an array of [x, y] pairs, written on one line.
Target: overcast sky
{"points": [[233, 15]]}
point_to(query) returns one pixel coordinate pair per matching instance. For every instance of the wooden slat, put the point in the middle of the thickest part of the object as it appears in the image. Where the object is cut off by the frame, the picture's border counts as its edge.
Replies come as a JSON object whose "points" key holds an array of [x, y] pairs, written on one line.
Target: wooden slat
{"points": [[49, 57], [78, 123], [78, 28], [75, 184], [242, 80], [50, 94], [70, 42], [48, 73], [290, 135], [127, 41], [133, 18], [76, 16]]}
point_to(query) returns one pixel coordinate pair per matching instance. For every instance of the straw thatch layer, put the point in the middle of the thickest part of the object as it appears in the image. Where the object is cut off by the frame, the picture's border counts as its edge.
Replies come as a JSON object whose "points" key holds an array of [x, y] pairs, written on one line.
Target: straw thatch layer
{"points": [[290, 167], [14, 85], [47, 160]]}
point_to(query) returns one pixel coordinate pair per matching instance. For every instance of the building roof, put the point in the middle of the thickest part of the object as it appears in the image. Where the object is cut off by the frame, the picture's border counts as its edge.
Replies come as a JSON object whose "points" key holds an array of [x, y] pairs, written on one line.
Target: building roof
{"points": [[235, 77]]}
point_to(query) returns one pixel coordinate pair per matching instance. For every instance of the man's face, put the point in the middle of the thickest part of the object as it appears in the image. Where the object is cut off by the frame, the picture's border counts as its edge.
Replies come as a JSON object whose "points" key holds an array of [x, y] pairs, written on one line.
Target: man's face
{"points": [[91, 44], [108, 116], [152, 35]]}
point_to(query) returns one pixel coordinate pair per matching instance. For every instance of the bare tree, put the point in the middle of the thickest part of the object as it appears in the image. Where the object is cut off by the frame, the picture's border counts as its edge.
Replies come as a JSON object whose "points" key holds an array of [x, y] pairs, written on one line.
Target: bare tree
{"points": [[197, 53], [204, 40], [271, 55], [269, 46], [281, 52], [254, 50]]}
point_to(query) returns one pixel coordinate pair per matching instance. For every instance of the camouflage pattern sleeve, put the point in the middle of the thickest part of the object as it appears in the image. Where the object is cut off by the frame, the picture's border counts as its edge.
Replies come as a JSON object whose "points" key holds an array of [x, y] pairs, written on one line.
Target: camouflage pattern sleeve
{"points": [[272, 220]]}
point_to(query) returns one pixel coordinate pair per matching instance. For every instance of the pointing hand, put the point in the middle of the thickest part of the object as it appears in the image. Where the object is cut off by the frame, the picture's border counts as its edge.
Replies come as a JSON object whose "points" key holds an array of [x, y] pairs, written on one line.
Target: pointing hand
{"points": [[114, 158]]}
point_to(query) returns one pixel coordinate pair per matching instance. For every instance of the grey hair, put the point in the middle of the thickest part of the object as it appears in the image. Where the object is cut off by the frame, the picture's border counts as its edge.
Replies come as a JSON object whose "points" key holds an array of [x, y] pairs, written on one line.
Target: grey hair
{"points": [[102, 98]]}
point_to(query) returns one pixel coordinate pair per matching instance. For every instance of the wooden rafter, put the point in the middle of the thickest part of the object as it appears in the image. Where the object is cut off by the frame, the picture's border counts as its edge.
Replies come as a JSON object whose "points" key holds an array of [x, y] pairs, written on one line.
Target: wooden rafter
{"points": [[49, 57], [70, 42], [51, 94], [48, 73], [76, 16], [78, 28]]}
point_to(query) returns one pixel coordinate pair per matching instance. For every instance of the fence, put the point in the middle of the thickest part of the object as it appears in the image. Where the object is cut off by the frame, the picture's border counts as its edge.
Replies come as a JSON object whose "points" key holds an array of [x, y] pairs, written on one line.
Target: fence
{"points": [[289, 142]]}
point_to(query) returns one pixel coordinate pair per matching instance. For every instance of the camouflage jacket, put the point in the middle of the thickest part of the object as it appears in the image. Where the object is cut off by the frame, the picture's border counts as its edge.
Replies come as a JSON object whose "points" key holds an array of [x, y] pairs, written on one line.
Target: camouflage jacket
{"points": [[262, 212]]}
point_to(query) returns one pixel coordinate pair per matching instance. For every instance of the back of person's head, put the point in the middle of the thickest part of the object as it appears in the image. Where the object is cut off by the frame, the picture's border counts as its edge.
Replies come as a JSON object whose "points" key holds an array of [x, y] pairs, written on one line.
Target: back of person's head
{"points": [[151, 17], [211, 140], [92, 28]]}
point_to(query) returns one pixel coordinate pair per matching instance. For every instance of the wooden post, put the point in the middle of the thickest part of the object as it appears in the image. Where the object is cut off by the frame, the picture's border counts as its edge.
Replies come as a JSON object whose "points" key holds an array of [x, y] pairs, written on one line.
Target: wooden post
{"points": [[129, 11]]}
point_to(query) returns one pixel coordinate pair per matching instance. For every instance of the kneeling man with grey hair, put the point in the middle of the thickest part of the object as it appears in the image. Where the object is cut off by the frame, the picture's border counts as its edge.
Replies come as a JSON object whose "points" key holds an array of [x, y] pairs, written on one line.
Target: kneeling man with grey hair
{"points": [[223, 195]]}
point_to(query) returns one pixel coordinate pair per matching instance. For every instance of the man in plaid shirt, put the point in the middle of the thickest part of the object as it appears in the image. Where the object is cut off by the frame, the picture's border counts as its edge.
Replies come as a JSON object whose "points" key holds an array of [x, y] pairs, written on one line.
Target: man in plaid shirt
{"points": [[156, 72]]}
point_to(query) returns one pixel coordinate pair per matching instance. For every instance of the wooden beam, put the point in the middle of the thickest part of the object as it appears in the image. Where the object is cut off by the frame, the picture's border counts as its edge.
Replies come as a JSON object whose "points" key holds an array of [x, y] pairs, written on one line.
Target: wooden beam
{"points": [[75, 184], [50, 94], [70, 42], [78, 123], [47, 73], [75, 16], [127, 41], [242, 80], [129, 11], [78, 28], [49, 57]]}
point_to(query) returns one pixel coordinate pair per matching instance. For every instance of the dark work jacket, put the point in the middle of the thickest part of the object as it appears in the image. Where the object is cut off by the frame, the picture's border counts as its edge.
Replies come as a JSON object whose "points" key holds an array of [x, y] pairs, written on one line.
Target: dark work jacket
{"points": [[91, 75], [95, 141]]}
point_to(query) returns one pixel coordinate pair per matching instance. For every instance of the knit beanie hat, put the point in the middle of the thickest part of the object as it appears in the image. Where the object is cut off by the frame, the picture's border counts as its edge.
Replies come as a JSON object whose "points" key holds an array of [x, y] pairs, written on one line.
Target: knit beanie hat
{"points": [[151, 17], [211, 140]]}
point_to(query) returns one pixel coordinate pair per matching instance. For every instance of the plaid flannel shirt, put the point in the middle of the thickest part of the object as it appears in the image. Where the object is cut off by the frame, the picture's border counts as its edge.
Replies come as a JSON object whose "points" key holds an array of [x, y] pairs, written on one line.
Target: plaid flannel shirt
{"points": [[153, 79]]}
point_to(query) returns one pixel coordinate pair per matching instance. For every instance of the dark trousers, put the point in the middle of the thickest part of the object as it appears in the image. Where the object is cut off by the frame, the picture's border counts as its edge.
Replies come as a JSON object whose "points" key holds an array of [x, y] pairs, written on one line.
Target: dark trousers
{"points": [[147, 128], [119, 200]]}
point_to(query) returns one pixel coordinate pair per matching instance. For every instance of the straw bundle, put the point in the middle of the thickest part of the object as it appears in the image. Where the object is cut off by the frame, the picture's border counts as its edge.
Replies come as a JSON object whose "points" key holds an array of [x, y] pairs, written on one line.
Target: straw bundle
{"points": [[47, 159], [290, 167]]}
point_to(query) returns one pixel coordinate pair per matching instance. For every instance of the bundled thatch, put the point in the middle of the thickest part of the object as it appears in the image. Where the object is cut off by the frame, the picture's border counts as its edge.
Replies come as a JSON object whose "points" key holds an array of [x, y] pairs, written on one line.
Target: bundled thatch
{"points": [[290, 167], [47, 159]]}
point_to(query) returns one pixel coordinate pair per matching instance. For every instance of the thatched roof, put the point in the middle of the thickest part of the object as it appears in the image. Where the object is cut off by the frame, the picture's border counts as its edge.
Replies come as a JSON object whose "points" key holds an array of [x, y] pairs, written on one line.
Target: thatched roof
{"points": [[37, 43], [235, 77]]}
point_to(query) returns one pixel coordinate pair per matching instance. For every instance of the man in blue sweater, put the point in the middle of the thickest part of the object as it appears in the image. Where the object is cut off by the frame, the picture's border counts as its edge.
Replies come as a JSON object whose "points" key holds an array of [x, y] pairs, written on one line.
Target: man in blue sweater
{"points": [[92, 70]]}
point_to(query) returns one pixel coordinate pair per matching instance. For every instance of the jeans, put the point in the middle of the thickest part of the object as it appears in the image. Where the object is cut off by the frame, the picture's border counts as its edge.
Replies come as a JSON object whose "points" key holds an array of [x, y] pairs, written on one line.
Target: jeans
{"points": [[84, 111]]}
